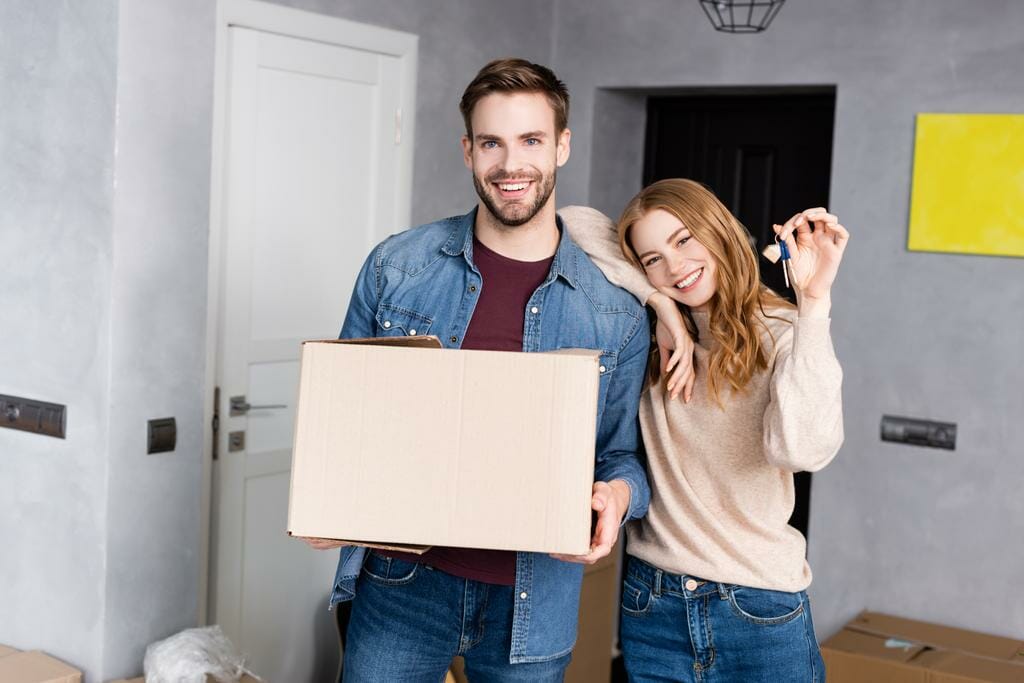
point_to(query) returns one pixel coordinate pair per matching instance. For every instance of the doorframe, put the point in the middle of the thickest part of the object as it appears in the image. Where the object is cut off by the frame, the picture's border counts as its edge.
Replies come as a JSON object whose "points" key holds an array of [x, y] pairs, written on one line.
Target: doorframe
{"points": [[270, 18]]}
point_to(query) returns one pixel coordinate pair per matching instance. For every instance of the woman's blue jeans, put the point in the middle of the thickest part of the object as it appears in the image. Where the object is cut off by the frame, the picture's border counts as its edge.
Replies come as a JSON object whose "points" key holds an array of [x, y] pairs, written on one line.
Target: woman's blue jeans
{"points": [[683, 628]]}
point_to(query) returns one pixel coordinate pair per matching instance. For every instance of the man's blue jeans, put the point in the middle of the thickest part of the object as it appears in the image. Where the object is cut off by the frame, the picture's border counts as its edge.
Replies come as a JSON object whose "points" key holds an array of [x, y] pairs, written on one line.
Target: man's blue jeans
{"points": [[409, 621], [682, 628]]}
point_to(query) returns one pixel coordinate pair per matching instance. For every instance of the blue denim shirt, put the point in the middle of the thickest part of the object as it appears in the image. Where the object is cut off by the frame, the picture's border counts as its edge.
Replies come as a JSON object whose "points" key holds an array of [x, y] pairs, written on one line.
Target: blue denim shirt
{"points": [[423, 281]]}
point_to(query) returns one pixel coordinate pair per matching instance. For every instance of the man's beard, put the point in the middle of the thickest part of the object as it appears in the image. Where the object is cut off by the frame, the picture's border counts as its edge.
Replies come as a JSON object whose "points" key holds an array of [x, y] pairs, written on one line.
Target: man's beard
{"points": [[516, 214]]}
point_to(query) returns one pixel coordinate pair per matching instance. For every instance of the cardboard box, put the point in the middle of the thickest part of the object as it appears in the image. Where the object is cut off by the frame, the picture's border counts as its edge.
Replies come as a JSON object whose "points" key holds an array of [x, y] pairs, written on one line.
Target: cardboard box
{"points": [[388, 429], [878, 647], [34, 667]]}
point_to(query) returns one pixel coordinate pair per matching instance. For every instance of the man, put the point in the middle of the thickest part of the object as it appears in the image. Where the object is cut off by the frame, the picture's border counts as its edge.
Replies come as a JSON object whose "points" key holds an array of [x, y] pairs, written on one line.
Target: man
{"points": [[505, 276]]}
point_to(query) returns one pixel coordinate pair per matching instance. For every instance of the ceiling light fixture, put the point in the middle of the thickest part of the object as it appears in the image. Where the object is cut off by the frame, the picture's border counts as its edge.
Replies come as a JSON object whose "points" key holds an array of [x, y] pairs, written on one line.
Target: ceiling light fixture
{"points": [[741, 16]]}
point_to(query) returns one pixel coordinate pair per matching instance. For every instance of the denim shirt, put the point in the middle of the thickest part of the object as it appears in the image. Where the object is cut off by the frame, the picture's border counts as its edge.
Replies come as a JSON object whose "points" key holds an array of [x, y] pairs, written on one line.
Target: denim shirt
{"points": [[423, 281]]}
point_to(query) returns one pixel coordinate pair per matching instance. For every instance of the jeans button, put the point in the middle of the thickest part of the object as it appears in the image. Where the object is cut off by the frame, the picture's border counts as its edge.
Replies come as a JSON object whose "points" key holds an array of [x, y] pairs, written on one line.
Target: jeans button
{"points": [[691, 585]]}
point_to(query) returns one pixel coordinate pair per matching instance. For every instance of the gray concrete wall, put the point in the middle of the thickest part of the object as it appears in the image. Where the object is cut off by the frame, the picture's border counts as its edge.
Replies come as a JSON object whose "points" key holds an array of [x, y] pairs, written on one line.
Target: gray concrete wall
{"points": [[919, 532], [57, 83], [158, 323]]}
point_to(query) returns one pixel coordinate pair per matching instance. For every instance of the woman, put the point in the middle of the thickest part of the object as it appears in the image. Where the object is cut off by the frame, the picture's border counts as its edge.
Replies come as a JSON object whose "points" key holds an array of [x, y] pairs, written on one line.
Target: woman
{"points": [[714, 585]]}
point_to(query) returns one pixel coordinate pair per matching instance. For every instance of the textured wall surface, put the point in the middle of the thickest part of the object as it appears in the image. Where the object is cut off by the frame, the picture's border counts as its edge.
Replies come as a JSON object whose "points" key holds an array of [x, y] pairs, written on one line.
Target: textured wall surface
{"points": [[58, 65], [158, 323]]}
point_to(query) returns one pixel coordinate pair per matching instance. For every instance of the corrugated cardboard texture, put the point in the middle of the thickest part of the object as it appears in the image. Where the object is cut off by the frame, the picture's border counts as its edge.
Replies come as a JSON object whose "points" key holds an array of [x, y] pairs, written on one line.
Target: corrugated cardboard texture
{"points": [[386, 434], [36, 667], [885, 648]]}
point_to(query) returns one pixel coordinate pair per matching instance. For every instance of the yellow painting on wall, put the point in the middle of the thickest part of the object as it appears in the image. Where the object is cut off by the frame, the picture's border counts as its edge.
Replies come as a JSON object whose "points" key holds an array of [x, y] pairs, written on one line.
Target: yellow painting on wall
{"points": [[968, 188]]}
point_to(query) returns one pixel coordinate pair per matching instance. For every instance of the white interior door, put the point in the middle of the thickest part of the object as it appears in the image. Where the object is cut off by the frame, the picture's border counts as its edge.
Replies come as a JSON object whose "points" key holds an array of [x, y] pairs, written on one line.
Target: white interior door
{"points": [[312, 153]]}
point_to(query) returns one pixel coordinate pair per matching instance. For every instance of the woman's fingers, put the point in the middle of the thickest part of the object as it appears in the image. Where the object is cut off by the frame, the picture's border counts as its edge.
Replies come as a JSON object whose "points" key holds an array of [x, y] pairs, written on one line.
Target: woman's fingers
{"points": [[688, 387], [681, 377], [840, 236]]}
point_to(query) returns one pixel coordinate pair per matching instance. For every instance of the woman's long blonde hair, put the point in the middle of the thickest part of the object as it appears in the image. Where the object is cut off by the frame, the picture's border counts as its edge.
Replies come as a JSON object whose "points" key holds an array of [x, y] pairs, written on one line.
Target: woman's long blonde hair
{"points": [[739, 295]]}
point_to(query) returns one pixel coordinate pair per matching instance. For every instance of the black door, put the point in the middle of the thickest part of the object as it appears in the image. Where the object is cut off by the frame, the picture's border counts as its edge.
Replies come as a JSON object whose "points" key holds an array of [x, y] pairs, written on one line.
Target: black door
{"points": [[766, 156]]}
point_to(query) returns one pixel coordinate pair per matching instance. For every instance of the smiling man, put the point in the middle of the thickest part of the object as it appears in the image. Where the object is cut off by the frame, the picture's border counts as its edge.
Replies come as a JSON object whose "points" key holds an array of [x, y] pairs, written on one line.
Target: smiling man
{"points": [[505, 276]]}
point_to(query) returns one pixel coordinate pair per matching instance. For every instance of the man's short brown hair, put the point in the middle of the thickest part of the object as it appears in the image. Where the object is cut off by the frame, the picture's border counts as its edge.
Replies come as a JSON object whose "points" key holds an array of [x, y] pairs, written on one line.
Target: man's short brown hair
{"points": [[512, 76]]}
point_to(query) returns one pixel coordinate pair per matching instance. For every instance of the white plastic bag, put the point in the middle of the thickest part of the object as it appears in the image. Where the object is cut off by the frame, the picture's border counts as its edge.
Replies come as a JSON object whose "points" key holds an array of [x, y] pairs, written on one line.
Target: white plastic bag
{"points": [[188, 657]]}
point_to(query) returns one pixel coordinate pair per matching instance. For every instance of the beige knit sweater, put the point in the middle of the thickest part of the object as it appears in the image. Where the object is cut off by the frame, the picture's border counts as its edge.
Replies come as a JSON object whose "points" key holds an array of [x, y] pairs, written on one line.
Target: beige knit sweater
{"points": [[722, 479]]}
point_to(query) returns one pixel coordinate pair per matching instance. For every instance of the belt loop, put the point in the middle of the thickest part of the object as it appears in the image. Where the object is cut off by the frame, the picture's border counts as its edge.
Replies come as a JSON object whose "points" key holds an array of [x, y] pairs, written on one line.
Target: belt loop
{"points": [[723, 591], [657, 583]]}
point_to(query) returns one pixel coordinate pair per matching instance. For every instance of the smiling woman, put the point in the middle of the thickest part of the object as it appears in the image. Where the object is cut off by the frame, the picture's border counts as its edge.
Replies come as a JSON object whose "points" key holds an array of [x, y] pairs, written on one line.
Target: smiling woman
{"points": [[766, 404]]}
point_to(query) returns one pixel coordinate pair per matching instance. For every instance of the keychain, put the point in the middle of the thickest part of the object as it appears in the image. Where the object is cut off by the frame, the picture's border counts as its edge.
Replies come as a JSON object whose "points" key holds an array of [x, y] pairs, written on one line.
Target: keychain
{"points": [[779, 250]]}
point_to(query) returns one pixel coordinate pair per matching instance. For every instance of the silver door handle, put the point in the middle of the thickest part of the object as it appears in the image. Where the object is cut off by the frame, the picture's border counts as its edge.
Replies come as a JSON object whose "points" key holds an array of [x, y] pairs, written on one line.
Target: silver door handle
{"points": [[239, 406]]}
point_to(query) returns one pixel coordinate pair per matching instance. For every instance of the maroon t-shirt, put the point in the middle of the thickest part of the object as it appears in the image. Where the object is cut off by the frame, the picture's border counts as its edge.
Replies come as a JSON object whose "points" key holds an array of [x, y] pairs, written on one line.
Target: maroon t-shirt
{"points": [[497, 325]]}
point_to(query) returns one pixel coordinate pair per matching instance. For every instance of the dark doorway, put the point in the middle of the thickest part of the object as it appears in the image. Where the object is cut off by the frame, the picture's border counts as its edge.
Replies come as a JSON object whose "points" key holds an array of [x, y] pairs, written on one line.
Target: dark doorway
{"points": [[766, 153]]}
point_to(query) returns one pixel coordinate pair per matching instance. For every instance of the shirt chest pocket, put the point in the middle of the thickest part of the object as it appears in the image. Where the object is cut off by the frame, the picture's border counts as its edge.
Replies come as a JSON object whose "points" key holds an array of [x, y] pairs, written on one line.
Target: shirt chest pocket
{"points": [[395, 321]]}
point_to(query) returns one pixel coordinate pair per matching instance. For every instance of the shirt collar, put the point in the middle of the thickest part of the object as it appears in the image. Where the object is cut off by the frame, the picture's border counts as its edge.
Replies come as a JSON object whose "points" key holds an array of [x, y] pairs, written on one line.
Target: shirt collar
{"points": [[460, 242]]}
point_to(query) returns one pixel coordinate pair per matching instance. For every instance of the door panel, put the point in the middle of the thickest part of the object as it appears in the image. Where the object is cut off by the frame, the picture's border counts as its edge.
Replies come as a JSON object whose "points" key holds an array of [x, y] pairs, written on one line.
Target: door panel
{"points": [[311, 159]]}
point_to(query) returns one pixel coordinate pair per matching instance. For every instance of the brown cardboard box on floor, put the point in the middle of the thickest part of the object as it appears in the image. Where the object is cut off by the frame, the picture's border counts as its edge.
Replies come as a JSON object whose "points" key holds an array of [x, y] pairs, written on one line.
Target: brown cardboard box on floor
{"points": [[879, 647], [401, 442], [34, 667]]}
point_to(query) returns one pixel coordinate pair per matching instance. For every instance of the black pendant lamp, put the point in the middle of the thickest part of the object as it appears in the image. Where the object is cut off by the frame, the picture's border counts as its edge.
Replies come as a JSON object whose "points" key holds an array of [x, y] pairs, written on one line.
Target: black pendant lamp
{"points": [[741, 16]]}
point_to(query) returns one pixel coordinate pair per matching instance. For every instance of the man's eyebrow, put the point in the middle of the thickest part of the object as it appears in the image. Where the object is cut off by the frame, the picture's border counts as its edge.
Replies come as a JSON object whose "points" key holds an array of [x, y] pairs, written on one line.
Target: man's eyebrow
{"points": [[484, 137], [533, 134]]}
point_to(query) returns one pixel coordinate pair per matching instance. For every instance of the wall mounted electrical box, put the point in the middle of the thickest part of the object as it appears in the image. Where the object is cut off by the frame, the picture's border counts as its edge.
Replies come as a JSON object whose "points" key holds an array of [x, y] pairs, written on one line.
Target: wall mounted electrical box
{"points": [[163, 435], [919, 432], [29, 415]]}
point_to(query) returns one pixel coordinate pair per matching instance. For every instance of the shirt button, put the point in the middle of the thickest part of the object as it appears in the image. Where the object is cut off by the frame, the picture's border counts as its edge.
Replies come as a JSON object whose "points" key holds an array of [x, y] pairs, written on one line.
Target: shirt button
{"points": [[412, 333], [472, 288], [535, 310], [691, 585], [387, 324], [602, 369], [454, 339], [522, 596]]}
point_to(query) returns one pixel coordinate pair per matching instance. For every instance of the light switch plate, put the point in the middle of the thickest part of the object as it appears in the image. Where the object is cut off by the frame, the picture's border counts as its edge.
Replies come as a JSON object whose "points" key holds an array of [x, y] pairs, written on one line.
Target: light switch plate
{"points": [[163, 435], [28, 415], [917, 432]]}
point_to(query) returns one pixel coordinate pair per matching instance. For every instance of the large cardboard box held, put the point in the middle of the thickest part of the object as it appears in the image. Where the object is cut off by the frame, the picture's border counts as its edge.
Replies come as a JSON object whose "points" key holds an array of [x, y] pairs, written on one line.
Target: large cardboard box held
{"points": [[878, 647], [34, 667], [401, 442]]}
